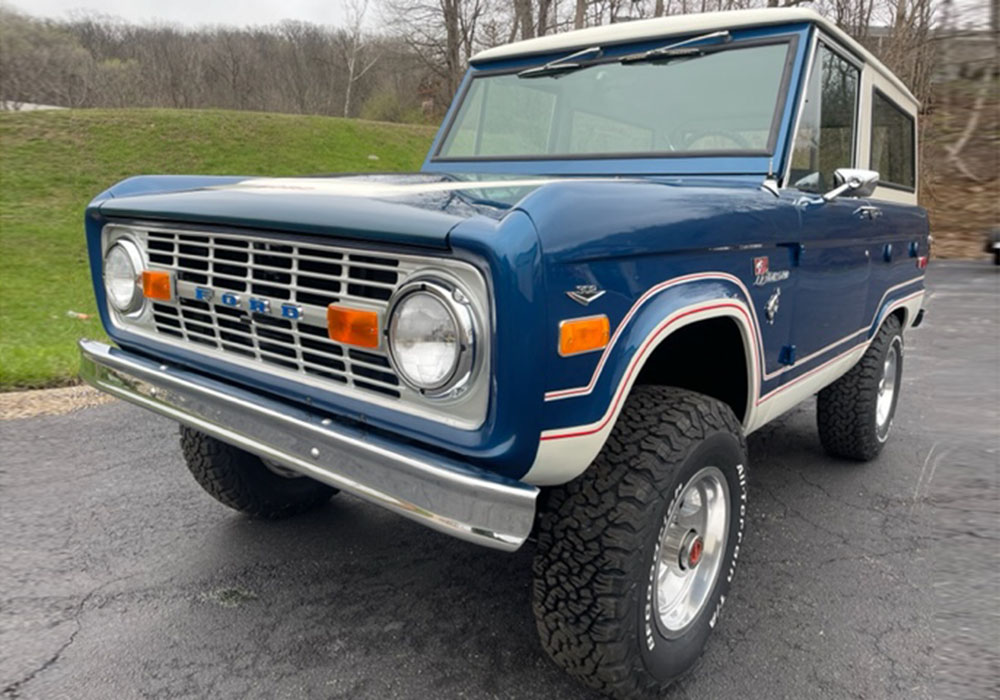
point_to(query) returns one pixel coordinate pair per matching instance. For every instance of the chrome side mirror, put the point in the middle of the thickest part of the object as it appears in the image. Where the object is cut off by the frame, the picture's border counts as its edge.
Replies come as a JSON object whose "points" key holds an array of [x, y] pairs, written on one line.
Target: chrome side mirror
{"points": [[853, 182]]}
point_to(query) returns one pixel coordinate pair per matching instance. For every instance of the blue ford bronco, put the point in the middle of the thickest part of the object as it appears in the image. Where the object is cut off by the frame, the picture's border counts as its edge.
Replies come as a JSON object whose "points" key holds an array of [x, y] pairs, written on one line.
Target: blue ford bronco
{"points": [[628, 248]]}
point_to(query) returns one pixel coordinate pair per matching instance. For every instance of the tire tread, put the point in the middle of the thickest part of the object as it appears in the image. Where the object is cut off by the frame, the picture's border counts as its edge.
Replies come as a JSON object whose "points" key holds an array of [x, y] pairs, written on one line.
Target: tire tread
{"points": [[239, 480], [845, 410], [590, 528]]}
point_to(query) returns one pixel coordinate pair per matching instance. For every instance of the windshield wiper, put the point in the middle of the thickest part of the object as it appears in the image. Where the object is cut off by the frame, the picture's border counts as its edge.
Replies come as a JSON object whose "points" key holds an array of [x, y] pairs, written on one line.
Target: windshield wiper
{"points": [[678, 49], [566, 64]]}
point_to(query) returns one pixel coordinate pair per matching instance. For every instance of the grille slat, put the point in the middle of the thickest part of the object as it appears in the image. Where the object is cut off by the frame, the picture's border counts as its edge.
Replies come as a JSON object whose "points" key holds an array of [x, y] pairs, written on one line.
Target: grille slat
{"points": [[362, 263], [282, 272]]}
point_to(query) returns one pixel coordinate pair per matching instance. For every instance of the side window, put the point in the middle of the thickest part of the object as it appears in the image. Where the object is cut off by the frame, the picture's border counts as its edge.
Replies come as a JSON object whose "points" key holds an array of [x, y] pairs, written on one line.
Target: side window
{"points": [[892, 143], [825, 137]]}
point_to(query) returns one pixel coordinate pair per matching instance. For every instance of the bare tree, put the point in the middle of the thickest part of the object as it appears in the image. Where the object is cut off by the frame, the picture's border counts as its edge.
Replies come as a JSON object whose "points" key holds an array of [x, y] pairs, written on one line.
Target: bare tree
{"points": [[40, 62], [523, 19], [441, 33], [545, 10], [358, 54]]}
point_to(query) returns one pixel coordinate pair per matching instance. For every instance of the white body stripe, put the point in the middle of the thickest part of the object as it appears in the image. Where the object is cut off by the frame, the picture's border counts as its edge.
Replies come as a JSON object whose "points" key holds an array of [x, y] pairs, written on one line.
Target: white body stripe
{"points": [[376, 188]]}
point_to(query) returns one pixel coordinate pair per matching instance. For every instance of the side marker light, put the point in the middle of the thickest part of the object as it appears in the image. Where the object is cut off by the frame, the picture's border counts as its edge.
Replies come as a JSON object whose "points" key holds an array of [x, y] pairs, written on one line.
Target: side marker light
{"points": [[580, 335]]}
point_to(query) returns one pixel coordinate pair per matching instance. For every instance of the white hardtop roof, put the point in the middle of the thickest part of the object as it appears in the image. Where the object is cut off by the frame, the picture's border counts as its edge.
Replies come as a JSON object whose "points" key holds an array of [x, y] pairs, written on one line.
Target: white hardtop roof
{"points": [[681, 25]]}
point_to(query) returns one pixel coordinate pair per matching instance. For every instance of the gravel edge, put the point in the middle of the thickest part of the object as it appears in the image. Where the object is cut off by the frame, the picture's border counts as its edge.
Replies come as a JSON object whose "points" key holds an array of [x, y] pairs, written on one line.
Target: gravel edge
{"points": [[50, 402]]}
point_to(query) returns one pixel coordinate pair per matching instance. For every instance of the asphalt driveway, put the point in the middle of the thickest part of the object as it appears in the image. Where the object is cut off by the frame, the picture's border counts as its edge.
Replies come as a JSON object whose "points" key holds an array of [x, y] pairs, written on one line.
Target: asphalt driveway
{"points": [[119, 578]]}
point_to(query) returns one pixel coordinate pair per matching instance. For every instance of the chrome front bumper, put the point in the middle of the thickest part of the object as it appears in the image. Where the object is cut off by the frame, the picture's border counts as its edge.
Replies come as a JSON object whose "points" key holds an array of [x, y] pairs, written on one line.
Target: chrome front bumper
{"points": [[444, 494]]}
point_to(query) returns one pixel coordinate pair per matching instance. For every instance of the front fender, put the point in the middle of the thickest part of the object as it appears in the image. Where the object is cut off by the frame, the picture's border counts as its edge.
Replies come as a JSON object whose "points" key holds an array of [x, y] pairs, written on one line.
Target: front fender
{"points": [[579, 417]]}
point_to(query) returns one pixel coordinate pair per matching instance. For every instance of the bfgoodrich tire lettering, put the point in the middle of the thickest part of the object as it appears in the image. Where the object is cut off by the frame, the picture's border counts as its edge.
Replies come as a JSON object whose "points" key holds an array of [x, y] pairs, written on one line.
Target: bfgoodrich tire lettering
{"points": [[847, 410], [595, 567], [243, 482]]}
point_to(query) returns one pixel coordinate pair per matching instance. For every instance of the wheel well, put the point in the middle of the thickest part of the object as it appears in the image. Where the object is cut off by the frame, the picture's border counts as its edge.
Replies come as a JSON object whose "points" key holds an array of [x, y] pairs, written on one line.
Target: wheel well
{"points": [[708, 357], [900, 313]]}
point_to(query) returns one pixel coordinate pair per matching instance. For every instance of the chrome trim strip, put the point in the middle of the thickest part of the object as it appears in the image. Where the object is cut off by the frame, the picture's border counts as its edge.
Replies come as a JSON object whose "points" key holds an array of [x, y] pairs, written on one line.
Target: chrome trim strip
{"points": [[444, 494]]}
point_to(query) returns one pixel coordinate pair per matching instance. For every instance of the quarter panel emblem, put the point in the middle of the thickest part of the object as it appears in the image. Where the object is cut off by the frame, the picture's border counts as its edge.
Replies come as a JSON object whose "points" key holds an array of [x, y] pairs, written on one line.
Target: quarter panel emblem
{"points": [[585, 293], [771, 308], [761, 266]]}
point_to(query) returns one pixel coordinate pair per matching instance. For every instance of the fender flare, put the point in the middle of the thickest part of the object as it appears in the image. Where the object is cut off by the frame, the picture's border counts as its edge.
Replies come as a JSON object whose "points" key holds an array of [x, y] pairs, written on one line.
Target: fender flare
{"points": [[654, 307], [889, 305]]}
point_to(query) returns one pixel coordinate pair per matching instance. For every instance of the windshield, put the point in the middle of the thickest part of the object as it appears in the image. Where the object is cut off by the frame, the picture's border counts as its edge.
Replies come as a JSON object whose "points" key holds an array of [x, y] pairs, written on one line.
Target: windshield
{"points": [[722, 101]]}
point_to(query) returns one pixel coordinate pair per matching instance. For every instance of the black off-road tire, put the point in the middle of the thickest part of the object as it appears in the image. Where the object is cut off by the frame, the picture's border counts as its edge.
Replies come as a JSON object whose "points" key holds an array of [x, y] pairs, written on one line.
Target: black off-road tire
{"points": [[846, 409], [598, 542], [243, 482]]}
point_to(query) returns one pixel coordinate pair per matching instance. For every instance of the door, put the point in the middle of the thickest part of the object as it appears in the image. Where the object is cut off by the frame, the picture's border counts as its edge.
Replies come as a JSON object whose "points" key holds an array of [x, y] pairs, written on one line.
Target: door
{"points": [[830, 259]]}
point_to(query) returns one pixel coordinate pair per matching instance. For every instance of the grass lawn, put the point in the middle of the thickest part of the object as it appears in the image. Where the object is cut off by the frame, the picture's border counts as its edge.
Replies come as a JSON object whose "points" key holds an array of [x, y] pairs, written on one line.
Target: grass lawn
{"points": [[52, 164]]}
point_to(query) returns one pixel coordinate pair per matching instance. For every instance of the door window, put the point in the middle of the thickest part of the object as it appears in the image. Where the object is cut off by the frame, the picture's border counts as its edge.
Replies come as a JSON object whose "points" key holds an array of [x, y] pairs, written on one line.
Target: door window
{"points": [[825, 137], [892, 143]]}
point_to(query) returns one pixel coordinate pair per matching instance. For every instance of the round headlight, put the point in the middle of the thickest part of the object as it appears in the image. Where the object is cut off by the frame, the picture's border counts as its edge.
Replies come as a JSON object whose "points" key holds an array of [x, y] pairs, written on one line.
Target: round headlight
{"points": [[431, 337], [122, 264]]}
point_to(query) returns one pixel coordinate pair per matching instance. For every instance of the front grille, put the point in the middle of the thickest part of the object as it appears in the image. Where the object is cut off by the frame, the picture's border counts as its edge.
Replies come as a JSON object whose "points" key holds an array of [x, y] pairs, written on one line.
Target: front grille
{"points": [[280, 272]]}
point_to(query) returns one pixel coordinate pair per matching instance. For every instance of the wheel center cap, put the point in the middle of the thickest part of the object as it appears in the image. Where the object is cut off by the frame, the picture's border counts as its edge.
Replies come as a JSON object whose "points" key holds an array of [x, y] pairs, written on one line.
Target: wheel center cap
{"points": [[691, 551]]}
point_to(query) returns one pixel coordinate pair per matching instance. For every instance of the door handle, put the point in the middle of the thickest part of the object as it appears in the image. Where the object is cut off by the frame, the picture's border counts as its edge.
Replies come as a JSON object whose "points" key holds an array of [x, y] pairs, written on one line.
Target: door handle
{"points": [[797, 250], [867, 211]]}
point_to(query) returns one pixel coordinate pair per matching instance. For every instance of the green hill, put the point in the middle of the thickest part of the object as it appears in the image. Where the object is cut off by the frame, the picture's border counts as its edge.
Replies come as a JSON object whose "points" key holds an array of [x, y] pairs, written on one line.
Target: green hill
{"points": [[53, 163]]}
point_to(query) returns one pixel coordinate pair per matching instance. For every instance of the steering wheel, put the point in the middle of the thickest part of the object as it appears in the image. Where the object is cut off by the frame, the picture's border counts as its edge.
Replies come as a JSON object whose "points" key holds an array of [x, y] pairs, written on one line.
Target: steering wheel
{"points": [[741, 143]]}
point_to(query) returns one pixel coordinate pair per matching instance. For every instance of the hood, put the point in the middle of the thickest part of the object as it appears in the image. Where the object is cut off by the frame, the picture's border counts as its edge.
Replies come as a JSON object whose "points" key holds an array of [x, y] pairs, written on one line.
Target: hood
{"points": [[418, 209], [413, 209]]}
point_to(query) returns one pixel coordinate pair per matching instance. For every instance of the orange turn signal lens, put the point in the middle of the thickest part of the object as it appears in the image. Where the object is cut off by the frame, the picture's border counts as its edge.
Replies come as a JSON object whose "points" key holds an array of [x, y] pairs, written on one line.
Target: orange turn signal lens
{"points": [[156, 284], [352, 326], [583, 335]]}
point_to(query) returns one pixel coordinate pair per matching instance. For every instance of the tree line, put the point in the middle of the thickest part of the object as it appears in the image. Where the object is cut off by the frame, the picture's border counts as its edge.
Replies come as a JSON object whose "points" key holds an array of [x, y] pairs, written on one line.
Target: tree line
{"points": [[291, 67], [397, 60]]}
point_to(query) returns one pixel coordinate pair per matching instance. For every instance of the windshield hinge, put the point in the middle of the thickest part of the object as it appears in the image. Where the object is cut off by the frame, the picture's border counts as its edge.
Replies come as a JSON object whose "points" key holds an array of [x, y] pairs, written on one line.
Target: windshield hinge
{"points": [[771, 180]]}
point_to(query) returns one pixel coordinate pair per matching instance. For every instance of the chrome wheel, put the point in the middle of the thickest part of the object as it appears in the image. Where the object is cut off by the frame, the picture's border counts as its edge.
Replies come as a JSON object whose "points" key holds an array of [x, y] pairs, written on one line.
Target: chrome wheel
{"points": [[887, 386], [692, 545]]}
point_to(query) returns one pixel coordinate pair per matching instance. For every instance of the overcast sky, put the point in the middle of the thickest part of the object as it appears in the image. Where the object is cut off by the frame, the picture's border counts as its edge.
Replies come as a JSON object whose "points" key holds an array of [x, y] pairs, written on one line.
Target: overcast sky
{"points": [[191, 12]]}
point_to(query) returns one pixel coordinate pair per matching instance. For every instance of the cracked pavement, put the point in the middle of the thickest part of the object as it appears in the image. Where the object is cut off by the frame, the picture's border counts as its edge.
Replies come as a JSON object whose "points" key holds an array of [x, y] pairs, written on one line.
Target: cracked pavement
{"points": [[122, 579]]}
